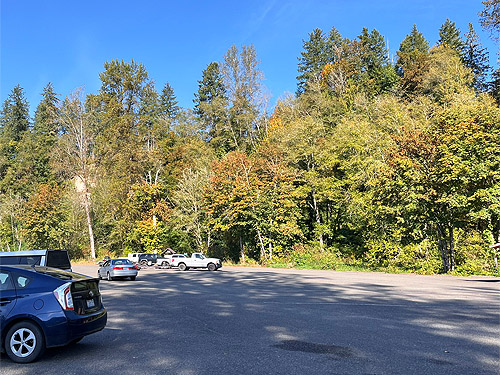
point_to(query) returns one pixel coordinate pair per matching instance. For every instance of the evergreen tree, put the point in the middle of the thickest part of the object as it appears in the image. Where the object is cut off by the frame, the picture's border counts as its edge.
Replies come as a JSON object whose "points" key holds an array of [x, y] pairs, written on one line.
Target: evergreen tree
{"points": [[377, 74], [211, 107], [449, 34], [39, 144], [313, 59], [14, 123], [45, 121], [334, 45], [168, 103], [415, 41], [412, 60], [475, 57]]}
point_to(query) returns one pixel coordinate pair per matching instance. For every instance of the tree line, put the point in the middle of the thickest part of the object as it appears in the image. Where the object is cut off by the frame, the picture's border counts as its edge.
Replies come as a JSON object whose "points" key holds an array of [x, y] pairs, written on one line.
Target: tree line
{"points": [[372, 163]]}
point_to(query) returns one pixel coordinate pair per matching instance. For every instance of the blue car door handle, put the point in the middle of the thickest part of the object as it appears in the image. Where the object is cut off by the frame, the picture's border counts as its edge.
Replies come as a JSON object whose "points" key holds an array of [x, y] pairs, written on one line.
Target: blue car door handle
{"points": [[5, 301]]}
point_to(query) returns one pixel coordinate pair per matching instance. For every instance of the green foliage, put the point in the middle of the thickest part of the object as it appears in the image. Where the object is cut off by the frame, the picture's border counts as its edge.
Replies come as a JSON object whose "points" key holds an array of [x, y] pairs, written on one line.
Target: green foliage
{"points": [[44, 219], [366, 169]]}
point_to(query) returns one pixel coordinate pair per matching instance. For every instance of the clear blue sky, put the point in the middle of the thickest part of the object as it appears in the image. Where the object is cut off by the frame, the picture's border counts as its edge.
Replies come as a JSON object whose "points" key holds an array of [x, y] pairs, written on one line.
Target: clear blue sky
{"points": [[68, 42]]}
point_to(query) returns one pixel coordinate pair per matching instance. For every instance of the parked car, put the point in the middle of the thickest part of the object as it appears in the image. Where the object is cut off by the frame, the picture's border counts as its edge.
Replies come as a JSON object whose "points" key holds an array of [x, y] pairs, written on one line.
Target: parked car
{"points": [[175, 259], [48, 258], [118, 268], [198, 260], [147, 259], [42, 307]]}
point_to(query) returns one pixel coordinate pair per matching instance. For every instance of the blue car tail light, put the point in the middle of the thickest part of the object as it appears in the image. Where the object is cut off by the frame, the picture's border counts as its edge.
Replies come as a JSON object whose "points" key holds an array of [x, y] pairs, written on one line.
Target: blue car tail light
{"points": [[64, 297]]}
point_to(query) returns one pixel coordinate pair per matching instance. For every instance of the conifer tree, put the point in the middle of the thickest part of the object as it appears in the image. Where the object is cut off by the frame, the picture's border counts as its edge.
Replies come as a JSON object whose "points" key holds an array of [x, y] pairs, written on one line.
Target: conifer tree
{"points": [[313, 59], [415, 41], [211, 107], [475, 57], [412, 61], [14, 123], [334, 45], [449, 34], [36, 147], [168, 102], [377, 74]]}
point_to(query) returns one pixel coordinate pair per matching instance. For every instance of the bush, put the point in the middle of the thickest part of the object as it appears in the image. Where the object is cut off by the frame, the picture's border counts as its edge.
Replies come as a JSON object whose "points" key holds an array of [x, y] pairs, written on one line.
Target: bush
{"points": [[472, 255], [420, 258]]}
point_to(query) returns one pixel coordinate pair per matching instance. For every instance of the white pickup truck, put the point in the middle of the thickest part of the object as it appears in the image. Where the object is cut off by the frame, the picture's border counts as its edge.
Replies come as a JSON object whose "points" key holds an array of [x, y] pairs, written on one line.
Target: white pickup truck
{"points": [[197, 260]]}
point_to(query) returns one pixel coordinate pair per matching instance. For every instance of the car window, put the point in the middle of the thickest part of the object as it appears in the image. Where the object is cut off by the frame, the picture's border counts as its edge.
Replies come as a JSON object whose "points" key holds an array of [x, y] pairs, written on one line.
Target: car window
{"points": [[121, 262], [31, 260], [106, 263], [58, 259], [10, 260], [22, 281], [6, 282]]}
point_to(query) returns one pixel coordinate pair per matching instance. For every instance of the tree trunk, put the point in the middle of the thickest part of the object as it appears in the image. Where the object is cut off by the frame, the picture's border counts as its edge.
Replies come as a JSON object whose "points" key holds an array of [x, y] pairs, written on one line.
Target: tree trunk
{"points": [[317, 217], [262, 248], [86, 203], [451, 246], [443, 249], [242, 250]]}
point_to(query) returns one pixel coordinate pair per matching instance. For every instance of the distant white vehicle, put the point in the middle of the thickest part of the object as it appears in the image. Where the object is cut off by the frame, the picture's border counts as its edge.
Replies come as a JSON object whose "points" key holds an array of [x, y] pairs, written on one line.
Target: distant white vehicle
{"points": [[169, 261], [198, 260]]}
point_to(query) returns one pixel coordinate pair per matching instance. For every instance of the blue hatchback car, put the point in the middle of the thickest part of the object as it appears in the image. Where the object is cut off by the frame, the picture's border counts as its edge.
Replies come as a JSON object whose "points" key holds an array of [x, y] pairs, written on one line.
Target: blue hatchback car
{"points": [[42, 307]]}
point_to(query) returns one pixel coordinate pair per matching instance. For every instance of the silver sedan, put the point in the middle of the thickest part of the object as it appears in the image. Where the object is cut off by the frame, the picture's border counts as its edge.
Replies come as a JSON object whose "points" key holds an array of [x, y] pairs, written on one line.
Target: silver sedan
{"points": [[118, 268]]}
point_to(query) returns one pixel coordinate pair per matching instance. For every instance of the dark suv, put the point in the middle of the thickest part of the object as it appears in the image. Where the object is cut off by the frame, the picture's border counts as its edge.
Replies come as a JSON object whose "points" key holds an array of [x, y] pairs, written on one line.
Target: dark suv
{"points": [[147, 259], [43, 307]]}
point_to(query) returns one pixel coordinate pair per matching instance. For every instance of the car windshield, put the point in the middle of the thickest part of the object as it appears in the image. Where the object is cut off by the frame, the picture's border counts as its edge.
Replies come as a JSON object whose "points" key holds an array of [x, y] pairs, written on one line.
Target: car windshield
{"points": [[121, 262]]}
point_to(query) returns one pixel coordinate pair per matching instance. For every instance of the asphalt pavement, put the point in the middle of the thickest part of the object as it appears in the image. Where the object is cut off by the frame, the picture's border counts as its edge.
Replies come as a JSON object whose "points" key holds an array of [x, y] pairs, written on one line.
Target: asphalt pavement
{"points": [[268, 321]]}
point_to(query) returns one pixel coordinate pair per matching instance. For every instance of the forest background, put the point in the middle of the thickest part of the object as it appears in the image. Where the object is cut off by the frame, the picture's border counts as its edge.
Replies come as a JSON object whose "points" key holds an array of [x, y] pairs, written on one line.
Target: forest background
{"points": [[372, 164]]}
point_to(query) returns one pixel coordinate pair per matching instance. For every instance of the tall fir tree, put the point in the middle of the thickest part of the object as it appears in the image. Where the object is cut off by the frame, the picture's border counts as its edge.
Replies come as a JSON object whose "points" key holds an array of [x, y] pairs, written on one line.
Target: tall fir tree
{"points": [[14, 123], [334, 45], [415, 41], [377, 73], [449, 35], [313, 59], [412, 60], [210, 107], [168, 102], [475, 57], [35, 149]]}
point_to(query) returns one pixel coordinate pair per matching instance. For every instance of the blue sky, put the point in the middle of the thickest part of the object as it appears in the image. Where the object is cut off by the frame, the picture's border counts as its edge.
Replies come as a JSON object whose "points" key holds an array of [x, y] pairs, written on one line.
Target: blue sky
{"points": [[68, 42]]}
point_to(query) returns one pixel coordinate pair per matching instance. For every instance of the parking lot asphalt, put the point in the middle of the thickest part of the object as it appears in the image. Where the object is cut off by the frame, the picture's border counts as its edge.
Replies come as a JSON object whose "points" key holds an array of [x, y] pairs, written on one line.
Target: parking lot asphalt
{"points": [[270, 321]]}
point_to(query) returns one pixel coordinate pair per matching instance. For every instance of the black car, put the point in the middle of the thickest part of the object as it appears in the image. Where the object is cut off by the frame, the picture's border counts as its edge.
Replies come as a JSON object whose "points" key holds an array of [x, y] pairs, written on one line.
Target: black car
{"points": [[147, 259], [42, 307]]}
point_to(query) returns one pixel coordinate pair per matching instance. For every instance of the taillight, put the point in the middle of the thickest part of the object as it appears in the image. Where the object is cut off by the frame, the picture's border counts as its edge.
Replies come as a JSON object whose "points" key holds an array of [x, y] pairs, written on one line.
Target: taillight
{"points": [[117, 268], [133, 268], [63, 296]]}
